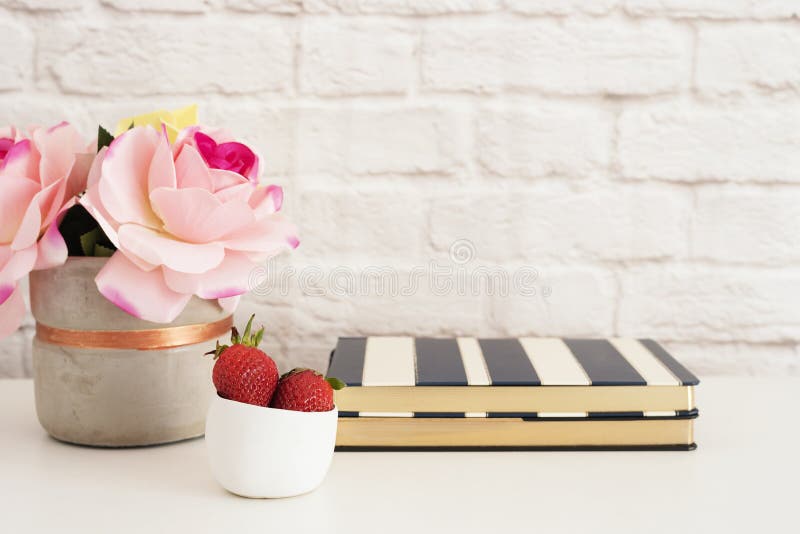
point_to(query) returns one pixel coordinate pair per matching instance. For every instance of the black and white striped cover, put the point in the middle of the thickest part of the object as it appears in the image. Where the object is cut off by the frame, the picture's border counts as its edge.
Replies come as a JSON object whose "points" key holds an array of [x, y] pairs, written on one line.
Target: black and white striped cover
{"points": [[527, 361]]}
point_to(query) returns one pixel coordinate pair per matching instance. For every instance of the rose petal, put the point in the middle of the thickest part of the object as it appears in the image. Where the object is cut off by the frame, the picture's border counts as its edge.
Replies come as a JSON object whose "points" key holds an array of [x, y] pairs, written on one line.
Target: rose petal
{"points": [[185, 211], [52, 250], [270, 235], [191, 170], [229, 279], [17, 265], [267, 200], [21, 160], [229, 304], [140, 293], [159, 248], [241, 192], [162, 168], [197, 216], [17, 195], [57, 146], [94, 205], [123, 183], [76, 183], [29, 228], [222, 179]]}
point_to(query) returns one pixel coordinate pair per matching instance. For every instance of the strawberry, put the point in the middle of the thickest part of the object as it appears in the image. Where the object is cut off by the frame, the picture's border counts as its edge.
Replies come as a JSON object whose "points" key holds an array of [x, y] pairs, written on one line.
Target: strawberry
{"points": [[243, 372], [305, 390]]}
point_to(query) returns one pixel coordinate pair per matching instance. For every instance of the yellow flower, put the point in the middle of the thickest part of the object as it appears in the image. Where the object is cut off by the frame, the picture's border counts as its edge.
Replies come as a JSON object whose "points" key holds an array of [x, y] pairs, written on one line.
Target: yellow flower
{"points": [[174, 121]]}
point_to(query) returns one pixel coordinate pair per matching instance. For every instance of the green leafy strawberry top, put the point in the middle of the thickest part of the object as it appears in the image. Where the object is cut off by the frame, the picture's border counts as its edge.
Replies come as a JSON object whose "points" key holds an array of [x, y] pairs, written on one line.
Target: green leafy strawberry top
{"points": [[248, 339]]}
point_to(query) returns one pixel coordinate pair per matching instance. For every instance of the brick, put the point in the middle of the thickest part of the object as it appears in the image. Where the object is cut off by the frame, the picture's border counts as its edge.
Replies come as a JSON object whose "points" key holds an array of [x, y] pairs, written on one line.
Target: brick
{"points": [[561, 7], [737, 359], [619, 223], [382, 297], [17, 46], [738, 225], [401, 7], [351, 58], [26, 109], [43, 5], [422, 313], [538, 141], [173, 6], [570, 56], [246, 57], [568, 302], [270, 6], [372, 141], [727, 60], [718, 9], [745, 142], [375, 224], [271, 131], [681, 302]]}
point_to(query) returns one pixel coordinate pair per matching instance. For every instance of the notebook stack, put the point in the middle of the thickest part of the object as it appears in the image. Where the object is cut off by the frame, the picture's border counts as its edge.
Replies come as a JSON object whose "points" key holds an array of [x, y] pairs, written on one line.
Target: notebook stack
{"points": [[518, 393]]}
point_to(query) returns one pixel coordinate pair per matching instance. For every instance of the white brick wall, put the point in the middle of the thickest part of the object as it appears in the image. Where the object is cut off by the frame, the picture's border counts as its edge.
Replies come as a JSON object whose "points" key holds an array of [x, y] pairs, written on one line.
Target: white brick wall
{"points": [[637, 160]]}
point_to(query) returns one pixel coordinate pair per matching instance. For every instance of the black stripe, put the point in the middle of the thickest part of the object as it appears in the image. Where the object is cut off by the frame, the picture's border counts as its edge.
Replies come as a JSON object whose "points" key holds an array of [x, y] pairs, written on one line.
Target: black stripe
{"points": [[681, 373], [444, 415], [348, 414], [446, 448], [508, 364], [512, 415], [347, 361], [603, 363], [439, 363], [616, 415]]}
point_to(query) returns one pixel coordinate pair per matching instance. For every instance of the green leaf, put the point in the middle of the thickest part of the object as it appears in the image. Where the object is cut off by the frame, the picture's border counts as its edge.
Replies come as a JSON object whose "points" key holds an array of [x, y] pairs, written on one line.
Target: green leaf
{"points": [[77, 222], [246, 340], [131, 126], [335, 383], [102, 252], [259, 336], [104, 138], [88, 242]]}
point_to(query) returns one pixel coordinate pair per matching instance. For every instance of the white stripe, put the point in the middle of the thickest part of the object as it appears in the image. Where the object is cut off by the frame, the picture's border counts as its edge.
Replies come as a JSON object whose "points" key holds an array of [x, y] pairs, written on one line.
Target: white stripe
{"points": [[668, 413], [645, 362], [475, 414], [554, 362], [389, 361], [386, 414], [474, 365], [562, 414]]}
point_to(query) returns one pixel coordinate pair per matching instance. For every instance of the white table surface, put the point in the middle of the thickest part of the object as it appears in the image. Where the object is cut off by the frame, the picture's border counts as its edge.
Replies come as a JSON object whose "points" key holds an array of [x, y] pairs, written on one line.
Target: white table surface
{"points": [[742, 478]]}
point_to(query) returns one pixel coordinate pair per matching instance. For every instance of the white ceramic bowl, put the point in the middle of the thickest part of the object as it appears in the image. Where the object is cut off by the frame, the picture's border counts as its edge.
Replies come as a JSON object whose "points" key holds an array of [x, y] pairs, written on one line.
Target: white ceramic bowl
{"points": [[265, 452]]}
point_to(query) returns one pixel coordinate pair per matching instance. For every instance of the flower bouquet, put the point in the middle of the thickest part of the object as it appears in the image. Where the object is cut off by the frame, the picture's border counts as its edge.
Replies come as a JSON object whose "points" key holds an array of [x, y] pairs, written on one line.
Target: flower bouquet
{"points": [[139, 246]]}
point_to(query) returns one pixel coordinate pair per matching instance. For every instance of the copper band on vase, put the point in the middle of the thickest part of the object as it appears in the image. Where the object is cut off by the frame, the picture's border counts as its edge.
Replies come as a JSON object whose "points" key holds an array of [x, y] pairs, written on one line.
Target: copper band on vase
{"points": [[149, 339]]}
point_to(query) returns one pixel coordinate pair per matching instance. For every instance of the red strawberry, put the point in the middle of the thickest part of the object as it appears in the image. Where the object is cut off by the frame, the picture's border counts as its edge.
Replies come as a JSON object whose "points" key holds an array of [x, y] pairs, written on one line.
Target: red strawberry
{"points": [[243, 372], [305, 390]]}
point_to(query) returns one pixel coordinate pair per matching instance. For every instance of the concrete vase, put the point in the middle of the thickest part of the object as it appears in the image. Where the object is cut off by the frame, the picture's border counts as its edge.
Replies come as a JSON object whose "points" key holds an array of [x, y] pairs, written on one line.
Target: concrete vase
{"points": [[115, 397]]}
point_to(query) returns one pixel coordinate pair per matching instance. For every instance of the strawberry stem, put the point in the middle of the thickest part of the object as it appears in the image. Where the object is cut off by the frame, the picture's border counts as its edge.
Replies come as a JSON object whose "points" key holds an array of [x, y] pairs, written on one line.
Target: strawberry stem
{"points": [[248, 339]]}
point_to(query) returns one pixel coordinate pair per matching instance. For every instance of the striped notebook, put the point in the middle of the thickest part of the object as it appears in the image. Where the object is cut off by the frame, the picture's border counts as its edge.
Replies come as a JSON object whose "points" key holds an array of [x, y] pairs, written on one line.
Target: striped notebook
{"points": [[495, 386]]}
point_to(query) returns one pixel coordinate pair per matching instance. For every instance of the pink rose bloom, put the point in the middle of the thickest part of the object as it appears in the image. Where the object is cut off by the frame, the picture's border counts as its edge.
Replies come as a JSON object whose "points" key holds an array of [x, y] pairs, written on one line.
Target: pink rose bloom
{"points": [[187, 219], [221, 151], [40, 175]]}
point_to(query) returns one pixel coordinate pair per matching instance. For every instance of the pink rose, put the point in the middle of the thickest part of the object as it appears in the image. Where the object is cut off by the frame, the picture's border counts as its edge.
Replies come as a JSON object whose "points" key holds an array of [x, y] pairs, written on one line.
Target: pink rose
{"points": [[187, 219], [8, 136], [228, 156], [40, 176]]}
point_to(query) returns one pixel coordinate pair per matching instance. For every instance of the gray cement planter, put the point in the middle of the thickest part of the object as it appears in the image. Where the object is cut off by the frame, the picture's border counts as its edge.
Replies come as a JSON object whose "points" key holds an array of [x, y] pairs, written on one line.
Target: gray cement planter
{"points": [[115, 397]]}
